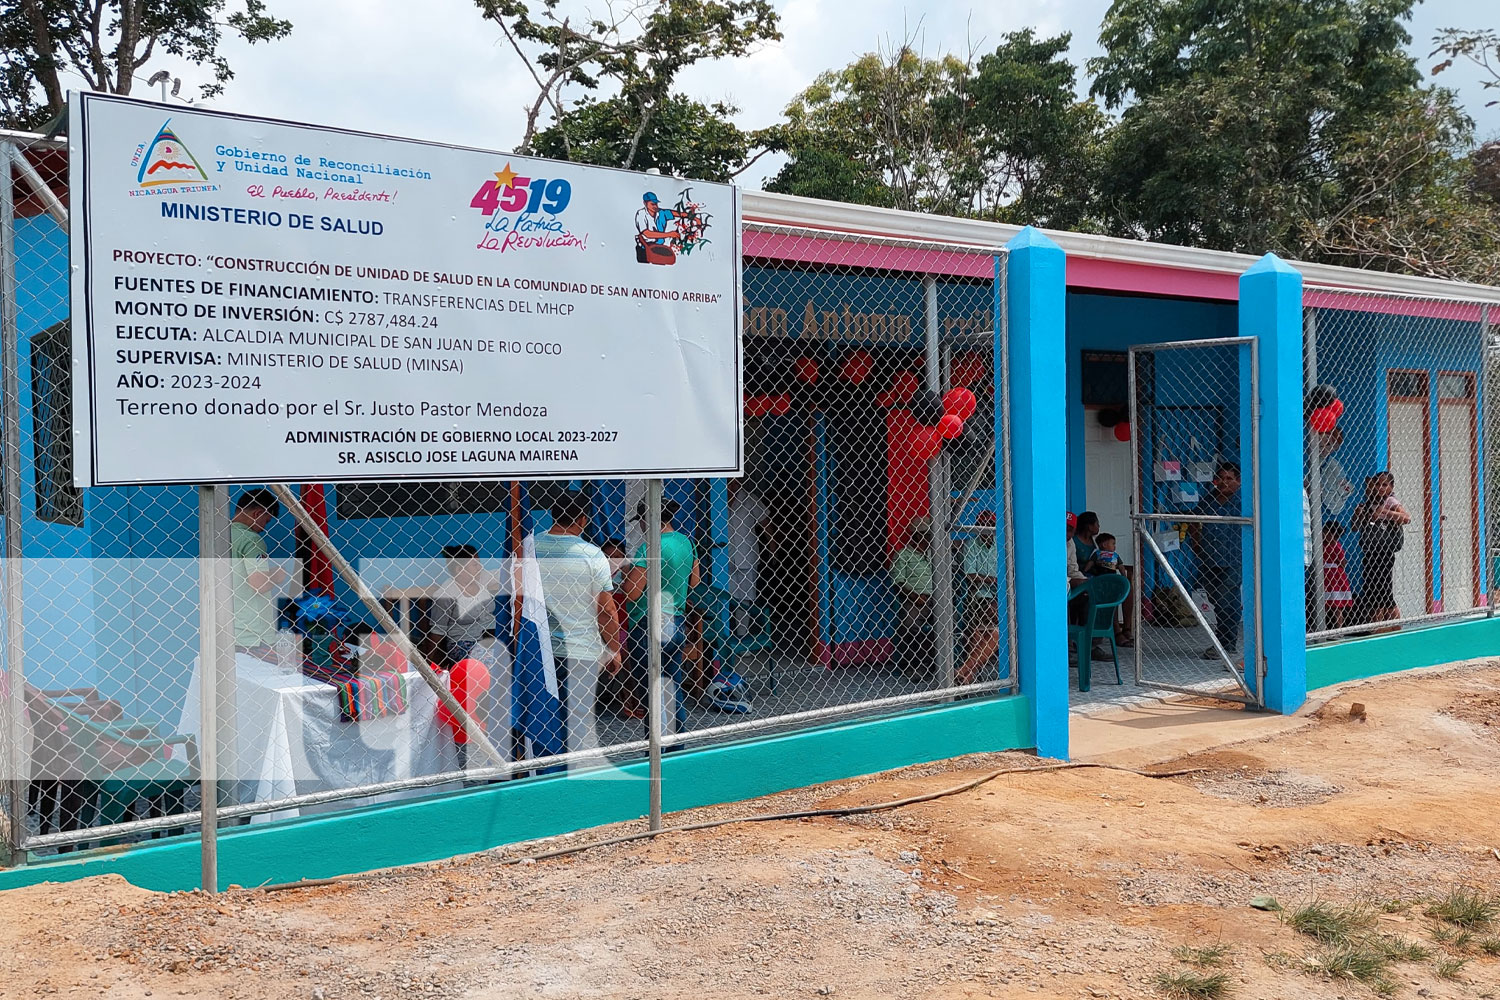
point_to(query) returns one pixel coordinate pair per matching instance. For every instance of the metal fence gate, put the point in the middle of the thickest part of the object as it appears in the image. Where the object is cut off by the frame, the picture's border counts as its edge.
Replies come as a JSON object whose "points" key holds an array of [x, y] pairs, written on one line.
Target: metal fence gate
{"points": [[861, 568], [1195, 513]]}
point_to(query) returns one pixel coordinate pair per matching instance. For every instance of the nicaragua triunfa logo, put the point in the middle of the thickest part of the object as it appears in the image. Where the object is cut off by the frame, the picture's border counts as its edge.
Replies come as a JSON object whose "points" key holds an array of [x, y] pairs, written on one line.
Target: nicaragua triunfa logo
{"points": [[168, 161]]}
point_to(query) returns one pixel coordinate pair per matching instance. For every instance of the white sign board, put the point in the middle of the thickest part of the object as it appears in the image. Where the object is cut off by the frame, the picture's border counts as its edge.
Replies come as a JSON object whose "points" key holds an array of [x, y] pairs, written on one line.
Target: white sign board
{"points": [[263, 301]]}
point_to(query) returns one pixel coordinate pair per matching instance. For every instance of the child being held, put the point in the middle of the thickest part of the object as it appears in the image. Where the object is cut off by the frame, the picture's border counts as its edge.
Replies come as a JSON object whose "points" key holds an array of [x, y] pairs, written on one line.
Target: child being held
{"points": [[1106, 559], [1338, 594]]}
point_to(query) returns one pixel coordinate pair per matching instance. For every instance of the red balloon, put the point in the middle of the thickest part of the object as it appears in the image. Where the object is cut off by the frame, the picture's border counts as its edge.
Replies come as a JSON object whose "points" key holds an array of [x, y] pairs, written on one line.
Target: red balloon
{"points": [[856, 366], [1324, 420], [951, 426], [960, 402], [807, 370], [1337, 406], [1122, 431], [468, 680]]}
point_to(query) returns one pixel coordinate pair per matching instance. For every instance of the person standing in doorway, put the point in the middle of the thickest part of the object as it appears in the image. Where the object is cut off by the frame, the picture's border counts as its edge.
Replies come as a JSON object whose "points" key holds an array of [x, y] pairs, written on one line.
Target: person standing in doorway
{"points": [[1381, 521], [579, 594], [256, 581], [1220, 557]]}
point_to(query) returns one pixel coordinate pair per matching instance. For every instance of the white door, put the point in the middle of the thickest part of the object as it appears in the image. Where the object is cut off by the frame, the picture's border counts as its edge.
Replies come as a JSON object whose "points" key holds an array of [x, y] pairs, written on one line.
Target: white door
{"points": [[1106, 482], [1409, 465], [1457, 473]]}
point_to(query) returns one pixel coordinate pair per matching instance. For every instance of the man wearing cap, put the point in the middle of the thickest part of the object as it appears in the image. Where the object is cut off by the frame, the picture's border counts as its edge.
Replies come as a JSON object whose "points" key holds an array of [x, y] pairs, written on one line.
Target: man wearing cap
{"points": [[679, 574], [911, 575], [653, 225], [255, 580]]}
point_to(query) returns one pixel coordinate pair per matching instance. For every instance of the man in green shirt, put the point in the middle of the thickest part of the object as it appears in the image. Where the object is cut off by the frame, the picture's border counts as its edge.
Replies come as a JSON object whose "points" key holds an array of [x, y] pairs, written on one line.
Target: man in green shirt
{"points": [[679, 574], [911, 576], [256, 581]]}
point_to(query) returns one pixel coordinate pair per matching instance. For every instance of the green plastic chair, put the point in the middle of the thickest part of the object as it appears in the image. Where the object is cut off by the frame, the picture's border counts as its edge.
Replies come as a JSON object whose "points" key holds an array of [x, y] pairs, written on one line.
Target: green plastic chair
{"points": [[719, 611], [1105, 594]]}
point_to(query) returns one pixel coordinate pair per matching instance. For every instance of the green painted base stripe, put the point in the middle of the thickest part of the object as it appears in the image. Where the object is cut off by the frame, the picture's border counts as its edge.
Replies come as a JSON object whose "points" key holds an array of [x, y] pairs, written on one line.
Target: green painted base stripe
{"points": [[406, 833], [1354, 660]]}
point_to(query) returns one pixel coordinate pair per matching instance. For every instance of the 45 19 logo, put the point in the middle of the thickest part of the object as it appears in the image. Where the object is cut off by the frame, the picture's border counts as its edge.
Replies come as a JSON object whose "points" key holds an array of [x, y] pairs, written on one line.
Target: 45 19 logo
{"points": [[521, 213]]}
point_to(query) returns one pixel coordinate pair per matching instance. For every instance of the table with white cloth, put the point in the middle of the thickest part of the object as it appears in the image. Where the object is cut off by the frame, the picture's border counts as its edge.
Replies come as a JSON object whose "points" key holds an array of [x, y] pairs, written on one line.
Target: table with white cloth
{"points": [[290, 738]]}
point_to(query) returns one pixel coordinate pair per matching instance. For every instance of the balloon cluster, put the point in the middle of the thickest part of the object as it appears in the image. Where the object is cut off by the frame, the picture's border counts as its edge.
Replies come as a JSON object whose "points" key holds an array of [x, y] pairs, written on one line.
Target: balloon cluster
{"points": [[938, 418], [1115, 420], [1324, 408]]}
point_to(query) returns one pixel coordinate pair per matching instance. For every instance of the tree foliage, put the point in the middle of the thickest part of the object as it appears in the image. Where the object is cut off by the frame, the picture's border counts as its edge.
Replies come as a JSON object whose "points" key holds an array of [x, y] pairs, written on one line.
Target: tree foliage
{"points": [[633, 50], [1003, 136], [110, 42], [1480, 47], [1234, 113], [682, 137]]}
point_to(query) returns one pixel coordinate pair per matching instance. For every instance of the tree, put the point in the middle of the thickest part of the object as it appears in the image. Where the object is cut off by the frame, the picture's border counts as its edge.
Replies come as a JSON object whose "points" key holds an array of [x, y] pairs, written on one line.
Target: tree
{"points": [[1003, 137], [683, 138], [109, 42], [1410, 201], [1234, 111], [1038, 144], [875, 123], [1480, 47], [636, 48]]}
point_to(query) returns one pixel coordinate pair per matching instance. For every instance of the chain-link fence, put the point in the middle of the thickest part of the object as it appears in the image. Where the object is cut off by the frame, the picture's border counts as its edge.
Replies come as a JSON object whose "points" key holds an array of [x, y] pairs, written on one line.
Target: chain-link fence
{"points": [[1197, 570], [863, 565], [383, 640], [1396, 390]]}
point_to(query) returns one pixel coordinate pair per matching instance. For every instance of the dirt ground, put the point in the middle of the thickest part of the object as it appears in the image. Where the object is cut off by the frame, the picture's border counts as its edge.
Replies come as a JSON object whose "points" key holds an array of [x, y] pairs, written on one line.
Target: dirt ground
{"points": [[1078, 883]]}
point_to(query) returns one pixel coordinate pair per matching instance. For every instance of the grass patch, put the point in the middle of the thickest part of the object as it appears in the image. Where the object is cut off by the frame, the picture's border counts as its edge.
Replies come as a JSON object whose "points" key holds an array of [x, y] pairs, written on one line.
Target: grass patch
{"points": [[1465, 907], [1190, 985], [1208, 957], [1400, 949], [1394, 906], [1360, 962], [1328, 924], [1490, 946], [1449, 968], [1452, 937]]}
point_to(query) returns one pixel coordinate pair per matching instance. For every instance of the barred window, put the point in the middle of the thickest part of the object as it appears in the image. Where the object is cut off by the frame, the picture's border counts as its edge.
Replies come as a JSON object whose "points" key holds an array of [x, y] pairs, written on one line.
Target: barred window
{"points": [[362, 501], [58, 501]]}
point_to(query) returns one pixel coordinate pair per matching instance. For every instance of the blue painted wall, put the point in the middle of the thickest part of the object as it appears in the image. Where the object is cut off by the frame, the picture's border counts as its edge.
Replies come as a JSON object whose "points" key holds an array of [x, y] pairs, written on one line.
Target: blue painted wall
{"points": [[1117, 322], [1346, 343]]}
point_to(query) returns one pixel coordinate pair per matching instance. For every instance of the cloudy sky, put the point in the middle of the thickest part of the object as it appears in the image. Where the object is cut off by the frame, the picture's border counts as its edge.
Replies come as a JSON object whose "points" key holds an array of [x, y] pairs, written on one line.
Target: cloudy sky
{"points": [[436, 70]]}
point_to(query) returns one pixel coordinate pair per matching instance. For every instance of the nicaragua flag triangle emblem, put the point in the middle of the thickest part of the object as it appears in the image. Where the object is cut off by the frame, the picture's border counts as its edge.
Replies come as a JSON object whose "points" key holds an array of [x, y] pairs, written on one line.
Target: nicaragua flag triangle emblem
{"points": [[169, 161]]}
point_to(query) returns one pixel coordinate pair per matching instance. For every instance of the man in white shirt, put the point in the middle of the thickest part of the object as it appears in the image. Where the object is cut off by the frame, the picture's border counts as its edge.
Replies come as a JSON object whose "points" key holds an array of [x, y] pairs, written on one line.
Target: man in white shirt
{"points": [[579, 595]]}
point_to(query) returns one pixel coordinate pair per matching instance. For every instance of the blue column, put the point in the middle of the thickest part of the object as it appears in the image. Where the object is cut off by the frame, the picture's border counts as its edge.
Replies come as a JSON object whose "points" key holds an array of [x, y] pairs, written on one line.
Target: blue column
{"points": [[1271, 310], [1036, 287]]}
